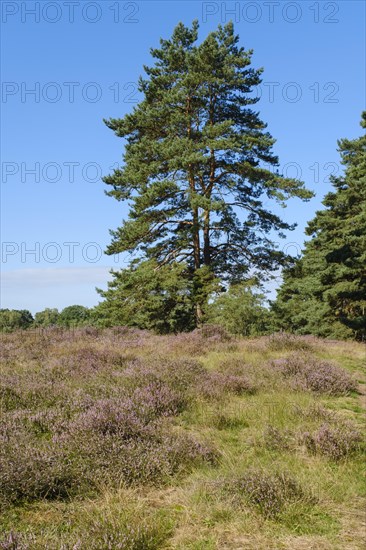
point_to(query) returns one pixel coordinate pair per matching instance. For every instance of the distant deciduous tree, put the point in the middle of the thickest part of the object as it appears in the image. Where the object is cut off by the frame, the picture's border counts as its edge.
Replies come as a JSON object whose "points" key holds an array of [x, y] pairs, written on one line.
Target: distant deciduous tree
{"points": [[46, 318], [240, 310], [74, 316], [13, 319]]}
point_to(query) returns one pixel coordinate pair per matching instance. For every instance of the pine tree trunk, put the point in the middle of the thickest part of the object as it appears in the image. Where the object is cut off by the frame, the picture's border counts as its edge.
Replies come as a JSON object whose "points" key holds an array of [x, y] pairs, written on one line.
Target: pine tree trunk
{"points": [[197, 259], [196, 240], [199, 315], [206, 239], [195, 226]]}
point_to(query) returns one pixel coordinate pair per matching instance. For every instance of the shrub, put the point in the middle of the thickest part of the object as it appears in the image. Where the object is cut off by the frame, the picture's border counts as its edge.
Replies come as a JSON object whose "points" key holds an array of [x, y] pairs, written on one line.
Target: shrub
{"points": [[88, 360], [240, 310], [268, 493], [149, 457], [129, 416], [179, 374], [216, 384], [110, 416], [309, 373], [109, 443], [24, 392], [315, 411], [334, 442], [284, 341], [157, 399], [15, 319], [275, 439], [73, 316], [29, 473], [15, 541]]}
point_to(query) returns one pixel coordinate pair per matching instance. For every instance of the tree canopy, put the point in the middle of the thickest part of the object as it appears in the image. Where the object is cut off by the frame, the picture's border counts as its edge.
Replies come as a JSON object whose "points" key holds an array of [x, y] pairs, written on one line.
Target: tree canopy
{"points": [[14, 319], [240, 310], [46, 318], [74, 316]]}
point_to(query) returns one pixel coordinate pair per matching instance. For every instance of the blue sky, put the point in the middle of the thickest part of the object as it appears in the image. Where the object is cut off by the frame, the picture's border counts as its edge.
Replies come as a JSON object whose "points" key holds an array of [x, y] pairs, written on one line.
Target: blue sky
{"points": [[68, 65]]}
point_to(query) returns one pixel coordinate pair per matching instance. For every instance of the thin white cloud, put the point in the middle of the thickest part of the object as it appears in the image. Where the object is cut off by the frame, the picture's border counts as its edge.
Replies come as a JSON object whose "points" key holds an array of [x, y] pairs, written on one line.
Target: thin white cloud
{"points": [[37, 288], [38, 277]]}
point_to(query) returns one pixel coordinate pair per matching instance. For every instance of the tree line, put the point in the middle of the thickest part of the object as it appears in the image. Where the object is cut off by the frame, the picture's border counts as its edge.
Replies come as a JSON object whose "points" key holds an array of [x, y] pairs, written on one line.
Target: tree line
{"points": [[21, 319]]}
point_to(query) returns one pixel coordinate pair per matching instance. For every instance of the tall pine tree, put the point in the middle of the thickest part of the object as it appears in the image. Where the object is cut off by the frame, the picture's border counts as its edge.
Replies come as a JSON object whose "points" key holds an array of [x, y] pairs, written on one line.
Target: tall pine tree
{"points": [[198, 164], [325, 292]]}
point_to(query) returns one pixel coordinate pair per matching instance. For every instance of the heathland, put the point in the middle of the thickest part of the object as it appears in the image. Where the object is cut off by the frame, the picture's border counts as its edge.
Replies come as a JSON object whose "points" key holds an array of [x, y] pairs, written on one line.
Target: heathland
{"points": [[122, 439]]}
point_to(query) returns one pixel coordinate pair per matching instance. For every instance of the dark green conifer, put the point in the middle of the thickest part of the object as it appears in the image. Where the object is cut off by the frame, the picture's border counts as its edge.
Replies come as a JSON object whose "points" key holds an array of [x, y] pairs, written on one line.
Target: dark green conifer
{"points": [[198, 164], [325, 293]]}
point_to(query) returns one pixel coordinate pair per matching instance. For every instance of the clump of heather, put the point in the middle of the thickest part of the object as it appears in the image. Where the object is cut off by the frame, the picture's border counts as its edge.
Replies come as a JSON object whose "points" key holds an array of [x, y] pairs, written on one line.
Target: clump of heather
{"points": [[199, 341], [309, 373], [129, 416], [129, 439], [268, 493], [155, 459], [178, 373], [16, 541], [88, 360], [275, 439], [110, 416], [122, 338], [284, 341], [148, 456], [335, 442], [29, 473], [216, 384], [112, 442], [158, 399], [315, 411], [31, 392]]}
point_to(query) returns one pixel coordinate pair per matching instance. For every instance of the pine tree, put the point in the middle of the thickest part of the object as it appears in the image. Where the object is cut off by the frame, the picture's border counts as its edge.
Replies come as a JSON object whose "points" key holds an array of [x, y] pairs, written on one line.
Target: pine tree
{"points": [[325, 293], [198, 163], [148, 297]]}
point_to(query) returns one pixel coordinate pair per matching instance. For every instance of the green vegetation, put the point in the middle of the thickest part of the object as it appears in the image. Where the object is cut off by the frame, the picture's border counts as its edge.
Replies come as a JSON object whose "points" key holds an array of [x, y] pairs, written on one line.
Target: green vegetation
{"points": [[14, 319], [240, 310], [148, 297], [46, 318]]}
